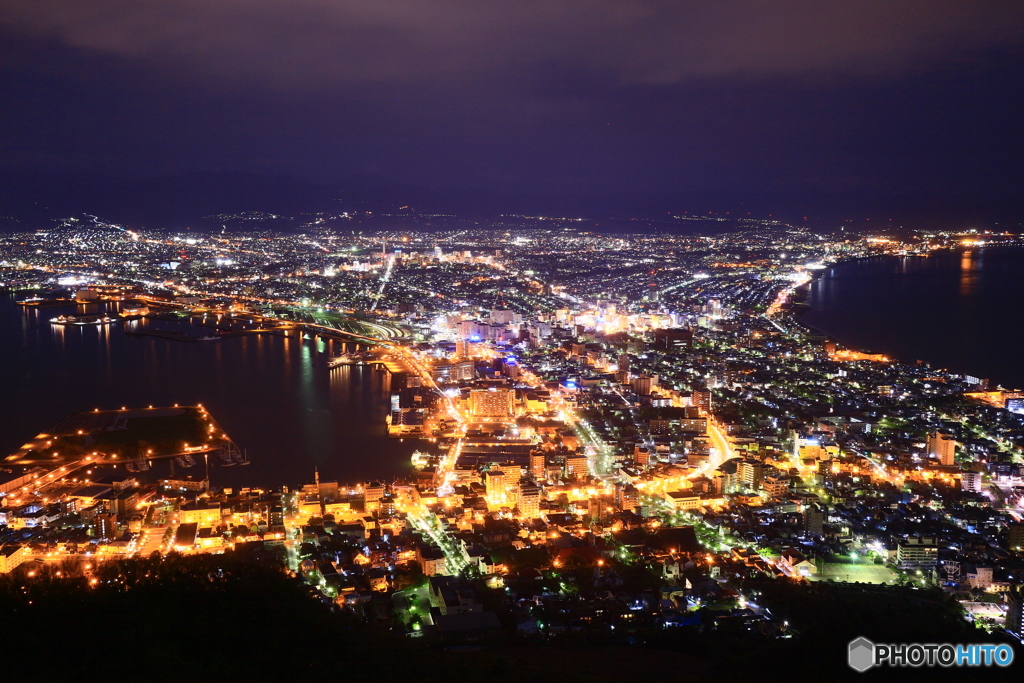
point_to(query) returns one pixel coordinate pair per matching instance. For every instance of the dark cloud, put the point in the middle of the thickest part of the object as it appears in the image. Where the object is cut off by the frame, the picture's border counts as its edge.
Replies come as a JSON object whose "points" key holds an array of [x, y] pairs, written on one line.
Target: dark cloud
{"points": [[330, 43], [797, 101]]}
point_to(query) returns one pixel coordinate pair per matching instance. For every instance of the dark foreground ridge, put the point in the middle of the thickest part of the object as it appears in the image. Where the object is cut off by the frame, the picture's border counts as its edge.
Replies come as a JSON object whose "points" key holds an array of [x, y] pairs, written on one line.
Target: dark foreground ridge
{"points": [[241, 616]]}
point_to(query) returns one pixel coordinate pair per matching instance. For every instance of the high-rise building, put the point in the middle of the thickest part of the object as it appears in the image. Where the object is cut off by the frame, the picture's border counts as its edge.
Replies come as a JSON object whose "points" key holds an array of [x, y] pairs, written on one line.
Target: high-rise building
{"points": [[597, 510], [673, 339], [750, 473], [627, 497], [702, 400], [537, 462], [492, 403], [504, 316], [826, 472], [528, 500], [1015, 612], [917, 551], [644, 384], [624, 362], [971, 481], [494, 482], [576, 465], [942, 447], [373, 492], [105, 525], [814, 519]]}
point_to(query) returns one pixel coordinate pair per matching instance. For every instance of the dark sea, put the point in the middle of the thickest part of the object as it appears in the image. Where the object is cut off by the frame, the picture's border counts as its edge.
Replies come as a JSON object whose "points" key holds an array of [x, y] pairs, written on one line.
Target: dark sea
{"points": [[958, 310], [273, 395]]}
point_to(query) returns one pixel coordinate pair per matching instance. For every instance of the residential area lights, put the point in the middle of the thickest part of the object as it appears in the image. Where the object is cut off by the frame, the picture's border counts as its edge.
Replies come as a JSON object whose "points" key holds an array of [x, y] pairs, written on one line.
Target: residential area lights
{"points": [[595, 407]]}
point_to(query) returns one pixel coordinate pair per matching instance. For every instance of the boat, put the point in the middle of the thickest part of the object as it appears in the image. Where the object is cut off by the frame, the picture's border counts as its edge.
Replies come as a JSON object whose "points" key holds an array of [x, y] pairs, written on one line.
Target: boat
{"points": [[358, 358], [185, 460], [230, 456], [208, 337], [421, 459], [83, 320]]}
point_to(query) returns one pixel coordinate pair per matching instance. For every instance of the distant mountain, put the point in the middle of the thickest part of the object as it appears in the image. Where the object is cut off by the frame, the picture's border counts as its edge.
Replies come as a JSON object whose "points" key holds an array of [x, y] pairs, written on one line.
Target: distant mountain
{"points": [[165, 202], [34, 200]]}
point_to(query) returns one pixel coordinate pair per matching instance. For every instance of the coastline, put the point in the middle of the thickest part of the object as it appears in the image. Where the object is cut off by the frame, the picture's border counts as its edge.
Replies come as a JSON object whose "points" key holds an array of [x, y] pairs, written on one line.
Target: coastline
{"points": [[805, 292], [274, 395]]}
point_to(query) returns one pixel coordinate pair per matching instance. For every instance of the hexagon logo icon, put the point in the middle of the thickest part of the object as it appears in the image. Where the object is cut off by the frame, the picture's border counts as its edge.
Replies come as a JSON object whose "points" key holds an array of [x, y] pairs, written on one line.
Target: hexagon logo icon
{"points": [[862, 654]]}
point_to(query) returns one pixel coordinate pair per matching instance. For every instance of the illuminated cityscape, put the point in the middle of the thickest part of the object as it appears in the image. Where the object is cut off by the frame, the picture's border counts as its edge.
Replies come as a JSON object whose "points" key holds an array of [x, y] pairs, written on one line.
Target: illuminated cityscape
{"points": [[621, 432], [538, 341]]}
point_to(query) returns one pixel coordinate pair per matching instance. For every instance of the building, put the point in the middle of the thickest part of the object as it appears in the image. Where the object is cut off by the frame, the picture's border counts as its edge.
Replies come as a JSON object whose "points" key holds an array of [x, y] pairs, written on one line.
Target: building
{"points": [[971, 481], [431, 560], [826, 471], [979, 577], [794, 563], [203, 513], [537, 463], [644, 384], [528, 500], [11, 556], [373, 492], [623, 362], [452, 595], [814, 520], [942, 447], [701, 400], [576, 465], [683, 500], [104, 525], [185, 537], [750, 474], [87, 295], [917, 551], [460, 371], [627, 497], [1015, 613], [1015, 536], [12, 480], [492, 403], [597, 510], [775, 487], [673, 339], [494, 481]]}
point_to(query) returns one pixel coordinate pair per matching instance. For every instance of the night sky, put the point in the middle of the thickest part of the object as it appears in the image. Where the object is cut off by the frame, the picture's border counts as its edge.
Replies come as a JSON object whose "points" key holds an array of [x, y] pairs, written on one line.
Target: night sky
{"points": [[885, 104]]}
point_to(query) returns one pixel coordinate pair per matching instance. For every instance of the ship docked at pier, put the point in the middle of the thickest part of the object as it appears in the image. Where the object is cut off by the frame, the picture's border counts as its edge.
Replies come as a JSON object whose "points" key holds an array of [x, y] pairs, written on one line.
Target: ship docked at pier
{"points": [[83, 320], [356, 358]]}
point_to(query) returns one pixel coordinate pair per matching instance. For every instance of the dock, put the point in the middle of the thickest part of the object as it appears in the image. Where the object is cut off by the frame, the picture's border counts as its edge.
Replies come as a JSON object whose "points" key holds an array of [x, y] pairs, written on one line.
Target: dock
{"points": [[176, 336]]}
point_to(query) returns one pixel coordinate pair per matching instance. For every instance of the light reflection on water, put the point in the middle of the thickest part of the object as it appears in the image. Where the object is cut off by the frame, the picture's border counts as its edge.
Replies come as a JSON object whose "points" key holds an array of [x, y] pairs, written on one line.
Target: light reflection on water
{"points": [[956, 309], [274, 395]]}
